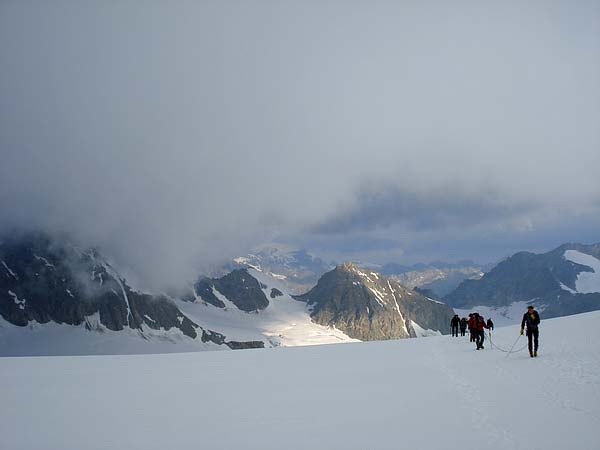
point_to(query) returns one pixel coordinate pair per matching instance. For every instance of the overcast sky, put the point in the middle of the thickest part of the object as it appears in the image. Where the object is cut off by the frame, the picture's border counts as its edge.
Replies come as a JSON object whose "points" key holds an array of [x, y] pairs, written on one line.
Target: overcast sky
{"points": [[176, 134]]}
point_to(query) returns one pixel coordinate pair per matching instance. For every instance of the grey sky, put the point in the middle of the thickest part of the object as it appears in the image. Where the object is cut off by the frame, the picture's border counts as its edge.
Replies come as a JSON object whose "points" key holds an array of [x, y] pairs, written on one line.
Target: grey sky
{"points": [[176, 134]]}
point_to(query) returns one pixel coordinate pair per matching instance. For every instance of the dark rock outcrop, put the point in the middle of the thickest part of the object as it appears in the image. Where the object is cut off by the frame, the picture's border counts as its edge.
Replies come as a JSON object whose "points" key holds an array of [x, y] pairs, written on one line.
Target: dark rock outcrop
{"points": [[235, 345], [275, 293], [238, 286]]}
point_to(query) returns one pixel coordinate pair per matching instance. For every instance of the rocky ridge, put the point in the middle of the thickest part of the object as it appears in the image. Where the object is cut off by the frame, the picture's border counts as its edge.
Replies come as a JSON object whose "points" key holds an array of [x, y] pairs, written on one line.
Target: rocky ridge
{"points": [[368, 306], [51, 280]]}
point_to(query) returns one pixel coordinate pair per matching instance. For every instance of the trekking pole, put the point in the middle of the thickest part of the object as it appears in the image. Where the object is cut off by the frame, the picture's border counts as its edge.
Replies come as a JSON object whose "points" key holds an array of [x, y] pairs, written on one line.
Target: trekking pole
{"points": [[513, 346]]}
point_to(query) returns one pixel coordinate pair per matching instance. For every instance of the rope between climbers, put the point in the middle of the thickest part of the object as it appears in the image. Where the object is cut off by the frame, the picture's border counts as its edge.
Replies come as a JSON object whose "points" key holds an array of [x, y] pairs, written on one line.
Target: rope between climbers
{"points": [[501, 349]]}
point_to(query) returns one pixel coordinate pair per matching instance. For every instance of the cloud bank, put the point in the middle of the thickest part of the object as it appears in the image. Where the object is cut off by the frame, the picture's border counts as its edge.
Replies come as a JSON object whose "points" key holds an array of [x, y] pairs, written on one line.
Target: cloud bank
{"points": [[176, 135]]}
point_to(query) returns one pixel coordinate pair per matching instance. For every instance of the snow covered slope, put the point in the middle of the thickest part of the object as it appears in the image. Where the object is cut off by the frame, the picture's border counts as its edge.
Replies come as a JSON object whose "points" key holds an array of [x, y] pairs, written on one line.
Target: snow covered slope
{"points": [[59, 299], [284, 322], [428, 394], [586, 282]]}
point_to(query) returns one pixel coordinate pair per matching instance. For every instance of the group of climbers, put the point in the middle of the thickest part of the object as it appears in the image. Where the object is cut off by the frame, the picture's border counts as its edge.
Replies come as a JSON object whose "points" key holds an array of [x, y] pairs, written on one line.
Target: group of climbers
{"points": [[477, 325]]}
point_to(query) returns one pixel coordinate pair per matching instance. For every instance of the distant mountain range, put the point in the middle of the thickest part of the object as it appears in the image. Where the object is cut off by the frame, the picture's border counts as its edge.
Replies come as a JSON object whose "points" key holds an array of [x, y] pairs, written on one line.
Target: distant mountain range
{"points": [[561, 282], [439, 277], [58, 298], [299, 270]]}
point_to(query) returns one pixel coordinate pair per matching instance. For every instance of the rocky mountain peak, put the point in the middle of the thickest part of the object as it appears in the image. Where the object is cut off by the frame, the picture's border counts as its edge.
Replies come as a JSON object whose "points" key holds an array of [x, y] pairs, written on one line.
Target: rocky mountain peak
{"points": [[364, 275], [348, 266], [367, 306]]}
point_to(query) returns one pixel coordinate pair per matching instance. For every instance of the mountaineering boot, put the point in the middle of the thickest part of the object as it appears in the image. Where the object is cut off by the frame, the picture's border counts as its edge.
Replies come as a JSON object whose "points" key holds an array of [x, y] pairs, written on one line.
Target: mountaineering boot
{"points": [[535, 353], [530, 353]]}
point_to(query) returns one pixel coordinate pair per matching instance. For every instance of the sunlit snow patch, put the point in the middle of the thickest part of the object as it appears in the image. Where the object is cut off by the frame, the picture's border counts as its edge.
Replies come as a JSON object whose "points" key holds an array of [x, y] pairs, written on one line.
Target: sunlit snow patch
{"points": [[422, 332], [285, 322]]}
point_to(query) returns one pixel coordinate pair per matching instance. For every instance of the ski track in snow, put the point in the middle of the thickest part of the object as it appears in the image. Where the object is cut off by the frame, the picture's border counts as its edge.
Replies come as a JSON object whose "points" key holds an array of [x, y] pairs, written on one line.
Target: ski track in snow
{"points": [[473, 399]]}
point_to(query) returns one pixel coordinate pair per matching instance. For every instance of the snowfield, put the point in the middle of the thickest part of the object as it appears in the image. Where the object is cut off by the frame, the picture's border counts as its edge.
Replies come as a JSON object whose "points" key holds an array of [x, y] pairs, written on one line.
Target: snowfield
{"points": [[52, 339], [431, 393]]}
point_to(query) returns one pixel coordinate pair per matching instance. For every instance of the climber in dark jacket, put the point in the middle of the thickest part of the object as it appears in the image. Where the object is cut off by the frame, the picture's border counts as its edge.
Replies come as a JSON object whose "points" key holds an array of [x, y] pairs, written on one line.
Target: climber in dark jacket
{"points": [[532, 319], [463, 326], [454, 323], [490, 324]]}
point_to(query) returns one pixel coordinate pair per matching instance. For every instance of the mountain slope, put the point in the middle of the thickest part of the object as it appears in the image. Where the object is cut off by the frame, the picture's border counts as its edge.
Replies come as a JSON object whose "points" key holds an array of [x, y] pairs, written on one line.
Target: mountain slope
{"points": [[51, 284], [560, 282], [59, 299], [368, 306], [374, 395], [283, 322], [243, 290]]}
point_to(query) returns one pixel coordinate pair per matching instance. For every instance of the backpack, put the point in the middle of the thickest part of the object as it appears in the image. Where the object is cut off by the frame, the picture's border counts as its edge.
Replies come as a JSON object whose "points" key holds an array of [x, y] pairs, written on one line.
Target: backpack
{"points": [[480, 324]]}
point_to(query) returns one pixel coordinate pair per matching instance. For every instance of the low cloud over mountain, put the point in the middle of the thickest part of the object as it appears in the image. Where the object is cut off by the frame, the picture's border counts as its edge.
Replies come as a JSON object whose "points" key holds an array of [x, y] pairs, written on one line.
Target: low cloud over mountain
{"points": [[206, 129]]}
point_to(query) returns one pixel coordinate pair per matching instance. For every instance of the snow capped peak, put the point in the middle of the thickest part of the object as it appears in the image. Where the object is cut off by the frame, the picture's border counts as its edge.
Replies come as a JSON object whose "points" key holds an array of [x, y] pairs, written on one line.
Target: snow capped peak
{"points": [[241, 260]]}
